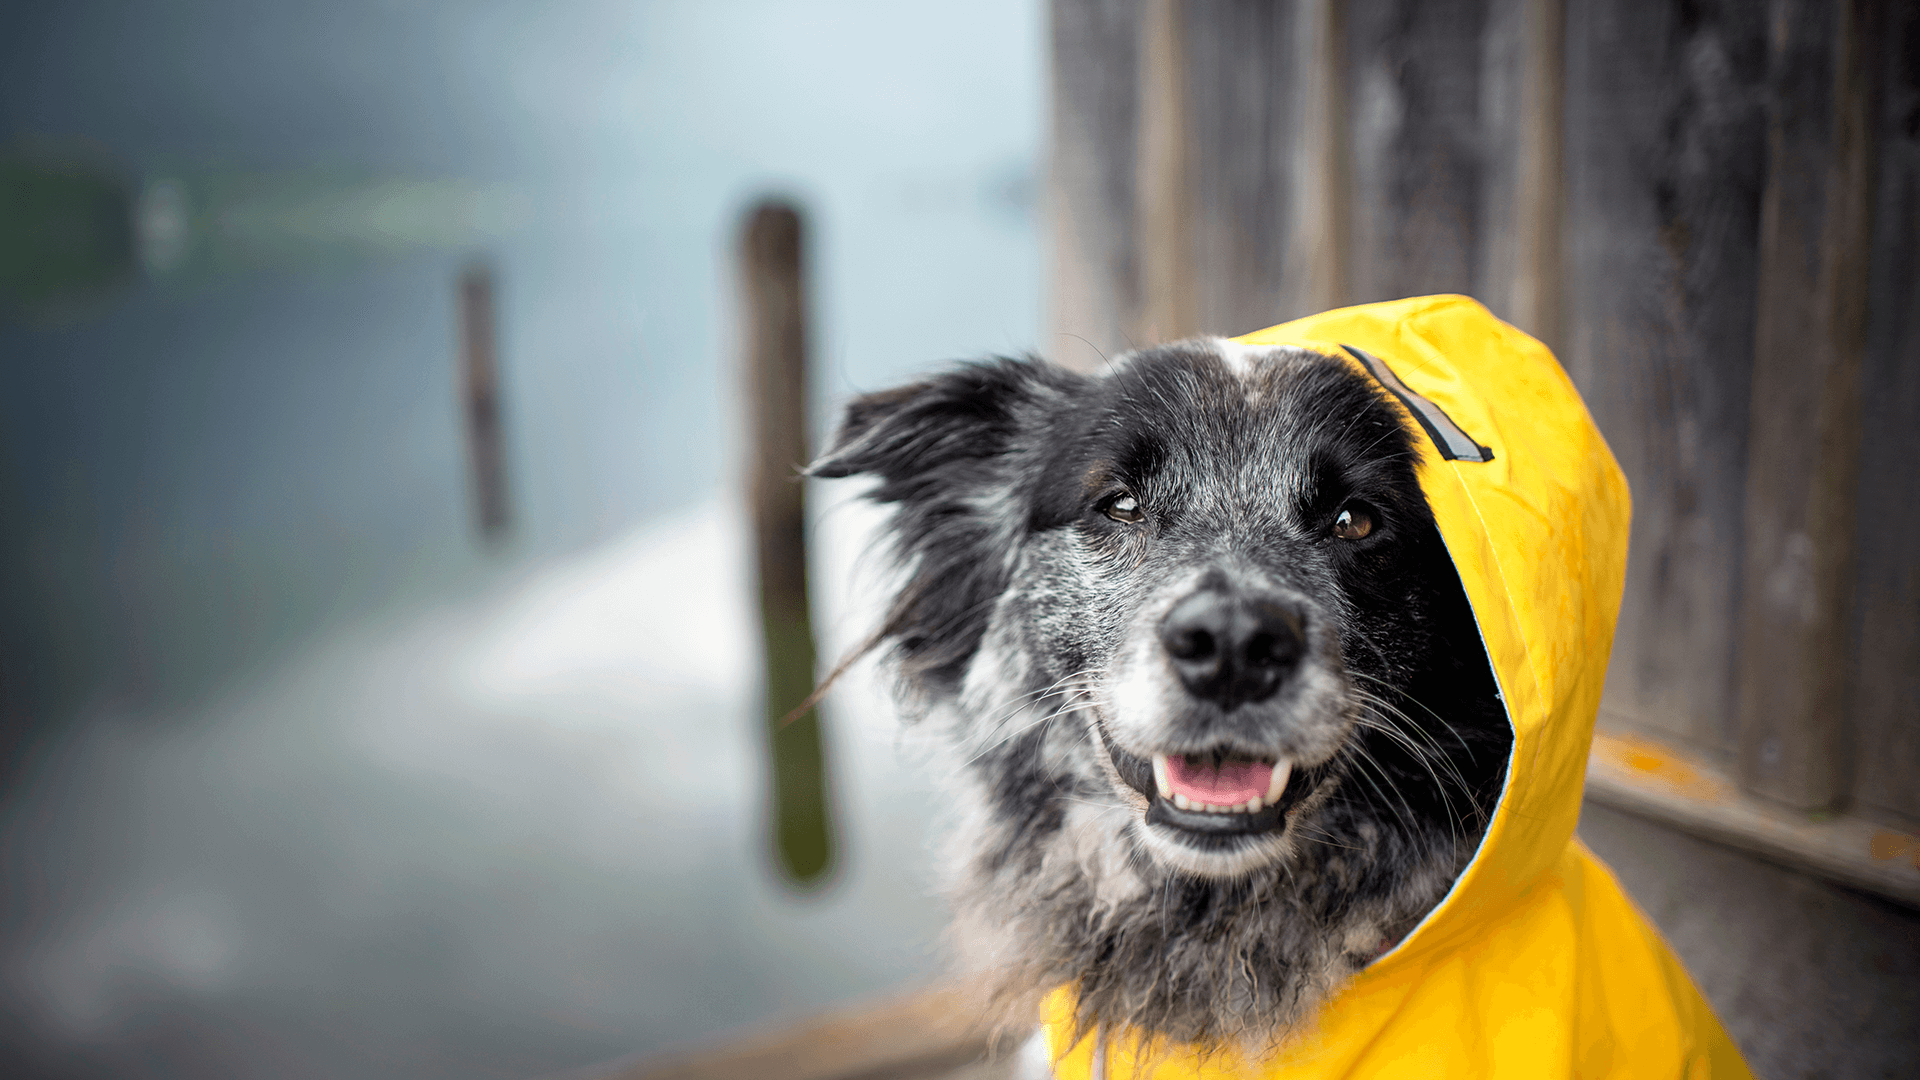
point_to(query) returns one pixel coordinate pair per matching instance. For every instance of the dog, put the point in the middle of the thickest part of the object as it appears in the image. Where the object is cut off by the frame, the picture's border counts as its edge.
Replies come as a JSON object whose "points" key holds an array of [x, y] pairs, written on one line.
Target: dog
{"points": [[1223, 722]]}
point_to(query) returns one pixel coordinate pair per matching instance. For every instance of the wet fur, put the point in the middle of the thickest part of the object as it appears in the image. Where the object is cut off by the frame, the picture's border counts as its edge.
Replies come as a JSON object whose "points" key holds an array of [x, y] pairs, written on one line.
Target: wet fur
{"points": [[1013, 630]]}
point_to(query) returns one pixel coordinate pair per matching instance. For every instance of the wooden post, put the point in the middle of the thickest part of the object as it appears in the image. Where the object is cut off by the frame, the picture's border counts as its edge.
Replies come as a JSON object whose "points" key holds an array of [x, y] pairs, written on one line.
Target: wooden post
{"points": [[1796, 628], [775, 371], [480, 399]]}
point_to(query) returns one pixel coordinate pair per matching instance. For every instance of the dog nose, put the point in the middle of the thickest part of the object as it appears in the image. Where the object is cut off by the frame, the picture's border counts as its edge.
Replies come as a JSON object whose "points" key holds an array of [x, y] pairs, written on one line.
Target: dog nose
{"points": [[1232, 649]]}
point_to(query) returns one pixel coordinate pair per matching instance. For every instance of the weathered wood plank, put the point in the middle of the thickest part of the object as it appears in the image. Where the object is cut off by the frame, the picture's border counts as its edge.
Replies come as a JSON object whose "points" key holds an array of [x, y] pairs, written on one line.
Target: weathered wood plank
{"points": [[1164, 209], [1538, 287], [1242, 110], [1502, 76], [1414, 107], [1795, 658], [1317, 275], [1665, 162], [1887, 677], [1091, 175], [1675, 788]]}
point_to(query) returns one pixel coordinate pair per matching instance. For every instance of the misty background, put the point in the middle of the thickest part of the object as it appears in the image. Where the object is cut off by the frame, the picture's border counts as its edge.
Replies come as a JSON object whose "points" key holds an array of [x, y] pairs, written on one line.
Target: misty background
{"points": [[300, 779]]}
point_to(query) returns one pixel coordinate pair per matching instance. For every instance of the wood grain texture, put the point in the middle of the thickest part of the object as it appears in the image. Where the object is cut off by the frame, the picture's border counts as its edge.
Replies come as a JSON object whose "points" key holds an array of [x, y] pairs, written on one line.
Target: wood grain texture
{"points": [[1319, 248], [1538, 286], [1796, 648], [1673, 787], [1886, 701], [1502, 56], [1418, 142], [1666, 160], [1243, 103], [1164, 210], [1091, 176]]}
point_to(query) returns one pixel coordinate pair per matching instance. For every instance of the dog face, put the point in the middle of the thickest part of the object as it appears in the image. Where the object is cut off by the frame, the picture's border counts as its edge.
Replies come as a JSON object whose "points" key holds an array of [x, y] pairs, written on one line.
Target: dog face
{"points": [[1236, 524], [1188, 622]]}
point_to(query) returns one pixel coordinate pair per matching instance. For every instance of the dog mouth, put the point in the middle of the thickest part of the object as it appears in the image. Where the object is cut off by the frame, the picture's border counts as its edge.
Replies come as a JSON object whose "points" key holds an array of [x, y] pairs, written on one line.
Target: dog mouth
{"points": [[1212, 784], [1214, 794]]}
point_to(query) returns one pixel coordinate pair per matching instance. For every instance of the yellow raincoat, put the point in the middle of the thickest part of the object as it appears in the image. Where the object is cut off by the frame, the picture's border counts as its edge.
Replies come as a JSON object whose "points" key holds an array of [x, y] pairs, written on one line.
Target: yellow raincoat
{"points": [[1536, 965]]}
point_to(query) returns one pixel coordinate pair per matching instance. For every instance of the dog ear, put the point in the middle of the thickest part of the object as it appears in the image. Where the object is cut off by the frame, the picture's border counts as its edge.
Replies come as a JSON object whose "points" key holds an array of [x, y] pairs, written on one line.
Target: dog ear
{"points": [[941, 449], [965, 415]]}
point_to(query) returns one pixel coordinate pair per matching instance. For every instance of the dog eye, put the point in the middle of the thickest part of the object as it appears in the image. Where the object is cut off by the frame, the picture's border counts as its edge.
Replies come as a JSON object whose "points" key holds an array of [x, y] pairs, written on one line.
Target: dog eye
{"points": [[1124, 507], [1352, 523]]}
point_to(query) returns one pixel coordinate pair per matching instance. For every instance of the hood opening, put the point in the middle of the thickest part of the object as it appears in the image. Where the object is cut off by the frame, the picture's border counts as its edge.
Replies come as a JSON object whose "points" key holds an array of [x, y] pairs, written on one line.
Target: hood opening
{"points": [[1477, 665]]}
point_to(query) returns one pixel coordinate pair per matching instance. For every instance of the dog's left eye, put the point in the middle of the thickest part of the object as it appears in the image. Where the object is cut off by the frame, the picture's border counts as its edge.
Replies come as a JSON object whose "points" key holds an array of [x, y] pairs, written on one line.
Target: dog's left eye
{"points": [[1352, 523], [1124, 507]]}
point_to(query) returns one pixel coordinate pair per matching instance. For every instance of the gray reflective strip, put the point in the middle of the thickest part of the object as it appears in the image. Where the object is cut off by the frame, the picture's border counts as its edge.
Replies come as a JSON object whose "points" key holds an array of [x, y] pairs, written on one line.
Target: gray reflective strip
{"points": [[1447, 437]]}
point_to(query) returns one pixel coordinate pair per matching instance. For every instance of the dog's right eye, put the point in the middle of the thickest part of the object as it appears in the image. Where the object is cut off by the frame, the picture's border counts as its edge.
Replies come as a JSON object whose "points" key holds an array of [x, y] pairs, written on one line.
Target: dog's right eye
{"points": [[1124, 508], [1353, 523]]}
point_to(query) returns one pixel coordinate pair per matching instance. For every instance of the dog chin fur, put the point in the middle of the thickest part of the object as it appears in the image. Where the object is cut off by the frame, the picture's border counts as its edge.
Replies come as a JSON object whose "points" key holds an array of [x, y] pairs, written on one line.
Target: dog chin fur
{"points": [[1025, 633]]}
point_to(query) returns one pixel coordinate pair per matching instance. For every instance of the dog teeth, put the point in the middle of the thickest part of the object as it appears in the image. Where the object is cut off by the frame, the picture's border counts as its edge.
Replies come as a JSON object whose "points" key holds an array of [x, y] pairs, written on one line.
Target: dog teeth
{"points": [[1281, 770], [1251, 806]]}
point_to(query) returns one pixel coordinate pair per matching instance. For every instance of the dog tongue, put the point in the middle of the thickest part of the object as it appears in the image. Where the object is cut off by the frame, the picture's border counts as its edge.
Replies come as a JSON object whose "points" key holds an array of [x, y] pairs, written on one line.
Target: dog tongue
{"points": [[1233, 783]]}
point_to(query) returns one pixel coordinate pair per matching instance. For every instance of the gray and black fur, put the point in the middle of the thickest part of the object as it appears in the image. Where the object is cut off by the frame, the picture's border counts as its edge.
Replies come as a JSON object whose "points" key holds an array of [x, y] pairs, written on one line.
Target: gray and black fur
{"points": [[1054, 529]]}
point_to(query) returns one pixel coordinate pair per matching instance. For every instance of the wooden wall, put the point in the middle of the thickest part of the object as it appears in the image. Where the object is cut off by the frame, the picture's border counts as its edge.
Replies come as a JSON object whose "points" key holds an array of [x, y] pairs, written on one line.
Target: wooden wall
{"points": [[1666, 137], [1709, 210], [1886, 676]]}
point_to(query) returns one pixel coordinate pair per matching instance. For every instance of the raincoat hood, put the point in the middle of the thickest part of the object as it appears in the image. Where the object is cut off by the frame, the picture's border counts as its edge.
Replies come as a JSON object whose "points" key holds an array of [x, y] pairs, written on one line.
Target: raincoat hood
{"points": [[1535, 964]]}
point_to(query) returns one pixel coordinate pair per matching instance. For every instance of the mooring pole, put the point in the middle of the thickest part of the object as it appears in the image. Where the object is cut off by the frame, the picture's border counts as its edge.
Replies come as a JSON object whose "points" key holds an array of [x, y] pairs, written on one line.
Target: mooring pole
{"points": [[774, 295], [480, 402]]}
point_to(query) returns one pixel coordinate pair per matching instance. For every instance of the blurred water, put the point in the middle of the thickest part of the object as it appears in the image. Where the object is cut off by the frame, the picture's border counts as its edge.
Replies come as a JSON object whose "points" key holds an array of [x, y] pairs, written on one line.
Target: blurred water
{"points": [[313, 787], [497, 837]]}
